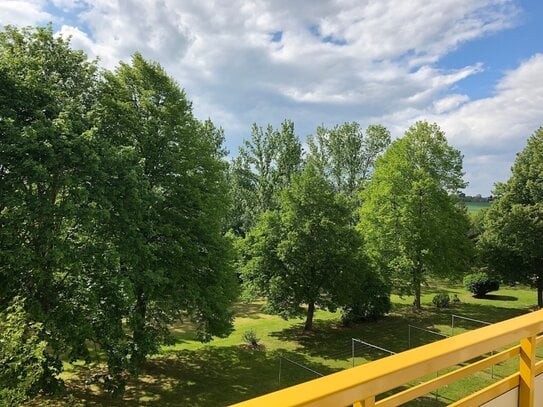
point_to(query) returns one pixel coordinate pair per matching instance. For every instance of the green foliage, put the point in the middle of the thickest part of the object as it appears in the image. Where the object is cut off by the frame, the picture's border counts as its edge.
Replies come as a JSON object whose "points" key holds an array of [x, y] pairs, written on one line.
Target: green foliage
{"points": [[306, 252], [346, 155], [369, 303], [167, 195], [265, 166], [480, 284], [513, 225], [47, 163], [409, 215], [441, 300], [23, 358], [112, 203], [250, 338]]}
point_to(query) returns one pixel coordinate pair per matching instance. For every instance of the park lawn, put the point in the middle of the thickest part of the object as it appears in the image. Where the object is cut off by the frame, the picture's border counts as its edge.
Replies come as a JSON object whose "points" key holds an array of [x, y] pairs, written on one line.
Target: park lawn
{"points": [[226, 370]]}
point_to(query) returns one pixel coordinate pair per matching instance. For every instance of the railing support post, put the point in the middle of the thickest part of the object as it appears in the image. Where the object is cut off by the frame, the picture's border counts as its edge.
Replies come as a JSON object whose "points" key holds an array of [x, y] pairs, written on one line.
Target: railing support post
{"points": [[527, 372], [369, 402]]}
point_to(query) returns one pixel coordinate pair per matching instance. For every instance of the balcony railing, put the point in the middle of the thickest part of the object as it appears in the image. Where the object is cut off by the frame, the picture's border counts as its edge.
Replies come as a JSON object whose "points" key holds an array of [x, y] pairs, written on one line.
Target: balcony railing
{"points": [[361, 386]]}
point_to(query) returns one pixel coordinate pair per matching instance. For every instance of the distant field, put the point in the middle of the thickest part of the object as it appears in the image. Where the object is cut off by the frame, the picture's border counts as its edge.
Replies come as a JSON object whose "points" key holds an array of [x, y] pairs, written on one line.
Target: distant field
{"points": [[476, 206]]}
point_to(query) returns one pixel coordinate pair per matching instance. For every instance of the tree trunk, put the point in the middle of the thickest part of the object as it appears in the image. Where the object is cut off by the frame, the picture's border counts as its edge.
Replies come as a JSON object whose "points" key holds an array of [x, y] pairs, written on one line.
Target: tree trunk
{"points": [[416, 301], [138, 345], [416, 287], [539, 291], [309, 320]]}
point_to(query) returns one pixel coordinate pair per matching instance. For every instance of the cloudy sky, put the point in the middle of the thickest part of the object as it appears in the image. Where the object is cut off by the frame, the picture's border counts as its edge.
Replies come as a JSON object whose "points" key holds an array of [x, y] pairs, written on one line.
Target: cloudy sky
{"points": [[473, 67]]}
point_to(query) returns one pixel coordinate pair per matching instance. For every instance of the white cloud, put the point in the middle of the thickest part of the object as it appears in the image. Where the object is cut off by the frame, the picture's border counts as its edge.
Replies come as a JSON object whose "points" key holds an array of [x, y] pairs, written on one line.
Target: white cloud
{"points": [[449, 103], [489, 131], [320, 62], [67, 5], [505, 119], [23, 12]]}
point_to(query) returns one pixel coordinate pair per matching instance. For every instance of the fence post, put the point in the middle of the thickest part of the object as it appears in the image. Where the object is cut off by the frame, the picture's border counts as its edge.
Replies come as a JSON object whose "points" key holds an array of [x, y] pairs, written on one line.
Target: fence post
{"points": [[280, 366], [527, 371], [352, 349]]}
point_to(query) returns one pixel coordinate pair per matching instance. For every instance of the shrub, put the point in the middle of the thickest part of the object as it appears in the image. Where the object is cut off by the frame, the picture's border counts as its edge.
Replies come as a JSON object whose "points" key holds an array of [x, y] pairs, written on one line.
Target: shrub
{"points": [[250, 338], [23, 359], [479, 284], [370, 305], [441, 300]]}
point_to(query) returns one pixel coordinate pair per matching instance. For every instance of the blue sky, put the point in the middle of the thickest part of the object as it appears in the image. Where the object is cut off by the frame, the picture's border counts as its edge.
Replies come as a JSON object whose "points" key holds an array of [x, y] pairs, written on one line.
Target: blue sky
{"points": [[473, 67]]}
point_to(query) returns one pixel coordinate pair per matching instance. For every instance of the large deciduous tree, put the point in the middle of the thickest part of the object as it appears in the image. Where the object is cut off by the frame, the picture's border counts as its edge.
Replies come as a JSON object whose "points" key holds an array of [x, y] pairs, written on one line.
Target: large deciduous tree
{"points": [[409, 215], [513, 225], [167, 198], [47, 163], [306, 252]]}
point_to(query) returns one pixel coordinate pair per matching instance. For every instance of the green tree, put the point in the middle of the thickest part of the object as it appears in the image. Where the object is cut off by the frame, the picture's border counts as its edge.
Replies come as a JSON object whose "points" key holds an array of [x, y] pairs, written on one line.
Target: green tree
{"points": [[409, 216], [47, 162], [513, 225], [265, 165], [306, 252], [167, 196], [346, 155]]}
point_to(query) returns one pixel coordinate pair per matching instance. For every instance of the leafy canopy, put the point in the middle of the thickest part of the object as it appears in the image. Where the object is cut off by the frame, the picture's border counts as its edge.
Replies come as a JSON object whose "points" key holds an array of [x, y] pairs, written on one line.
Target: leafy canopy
{"points": [[513, 225], [409, 217], [306, 252]]}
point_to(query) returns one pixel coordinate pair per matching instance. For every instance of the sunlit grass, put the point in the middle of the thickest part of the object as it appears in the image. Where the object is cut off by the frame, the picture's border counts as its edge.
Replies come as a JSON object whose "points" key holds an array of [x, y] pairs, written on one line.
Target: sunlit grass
{"points": [[226, 370]]}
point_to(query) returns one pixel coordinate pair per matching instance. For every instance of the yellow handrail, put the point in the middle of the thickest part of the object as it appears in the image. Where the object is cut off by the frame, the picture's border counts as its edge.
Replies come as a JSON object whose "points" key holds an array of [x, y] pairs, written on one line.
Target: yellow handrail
{"points": [[433, 384], [363, 383]]}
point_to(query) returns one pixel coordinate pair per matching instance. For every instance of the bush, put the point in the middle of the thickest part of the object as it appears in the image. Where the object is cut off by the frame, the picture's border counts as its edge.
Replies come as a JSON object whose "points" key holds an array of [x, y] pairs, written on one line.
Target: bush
{"points": [[480, 284], [250, 338], [23, 358], [370, 305], [441, 300]]}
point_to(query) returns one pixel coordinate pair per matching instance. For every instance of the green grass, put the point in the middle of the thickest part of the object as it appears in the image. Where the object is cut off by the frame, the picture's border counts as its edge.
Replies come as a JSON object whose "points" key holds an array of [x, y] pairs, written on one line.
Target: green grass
{"points": [[474, 207], [225, 371]]}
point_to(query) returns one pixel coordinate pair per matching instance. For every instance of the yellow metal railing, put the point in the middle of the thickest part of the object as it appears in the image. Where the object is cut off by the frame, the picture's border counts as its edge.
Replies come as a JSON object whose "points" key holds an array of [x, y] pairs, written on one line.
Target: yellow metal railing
{"points": [[359, 386]]}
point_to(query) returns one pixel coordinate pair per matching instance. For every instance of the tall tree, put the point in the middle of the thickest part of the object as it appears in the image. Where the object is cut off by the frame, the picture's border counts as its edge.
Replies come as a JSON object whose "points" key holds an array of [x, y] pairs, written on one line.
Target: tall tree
{"points": [[409, 215], [347, 155], [167, 198], [265, 165], [47, 162], [305, 252], [513, 225]]}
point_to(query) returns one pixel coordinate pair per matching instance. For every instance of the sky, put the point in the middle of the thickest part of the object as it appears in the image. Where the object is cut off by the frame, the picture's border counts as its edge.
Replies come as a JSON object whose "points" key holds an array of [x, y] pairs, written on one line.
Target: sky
{"points": [[473, 67]]}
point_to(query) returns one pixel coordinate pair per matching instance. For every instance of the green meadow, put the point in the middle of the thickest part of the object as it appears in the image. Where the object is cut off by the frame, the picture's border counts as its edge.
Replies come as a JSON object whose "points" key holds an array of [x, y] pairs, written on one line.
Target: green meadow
{"points": [[228, 370], [474, 207]]}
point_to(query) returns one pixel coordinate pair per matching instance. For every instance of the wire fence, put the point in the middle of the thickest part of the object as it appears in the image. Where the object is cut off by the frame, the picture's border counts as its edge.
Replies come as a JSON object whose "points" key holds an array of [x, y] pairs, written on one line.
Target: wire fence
{"points": [[423, 336], [293, 372], [362, 346], [471, 322], [294, 369]]}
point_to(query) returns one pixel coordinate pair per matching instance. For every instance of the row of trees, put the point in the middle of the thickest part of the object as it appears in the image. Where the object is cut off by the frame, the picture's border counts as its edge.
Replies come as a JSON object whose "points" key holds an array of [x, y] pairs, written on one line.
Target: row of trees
{"points": [[354, 216]]}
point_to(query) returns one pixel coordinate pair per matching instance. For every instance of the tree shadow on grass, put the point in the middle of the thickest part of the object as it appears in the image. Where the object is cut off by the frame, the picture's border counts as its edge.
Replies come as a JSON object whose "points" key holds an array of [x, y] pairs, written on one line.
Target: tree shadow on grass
{"points": [[220, 376], [488, 313], [210, 376], [497, 297], [252, 310]]}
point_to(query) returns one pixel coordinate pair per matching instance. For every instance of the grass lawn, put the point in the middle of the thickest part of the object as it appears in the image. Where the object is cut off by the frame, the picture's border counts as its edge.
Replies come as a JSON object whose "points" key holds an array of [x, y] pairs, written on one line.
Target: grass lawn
{"points": [[225, 371], [474, 207]]}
